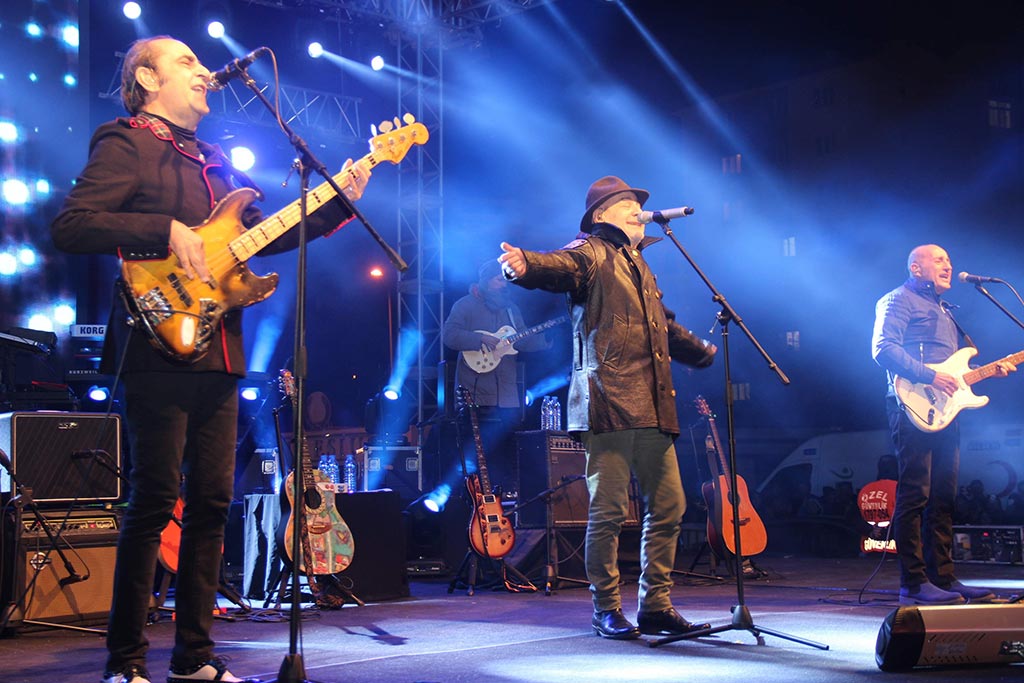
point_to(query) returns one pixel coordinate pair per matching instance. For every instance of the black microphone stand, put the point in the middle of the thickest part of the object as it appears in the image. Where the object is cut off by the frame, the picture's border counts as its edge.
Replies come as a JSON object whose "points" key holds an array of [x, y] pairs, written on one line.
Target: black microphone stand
{"points": [[741, 618], [981, 288], [292, 668]]}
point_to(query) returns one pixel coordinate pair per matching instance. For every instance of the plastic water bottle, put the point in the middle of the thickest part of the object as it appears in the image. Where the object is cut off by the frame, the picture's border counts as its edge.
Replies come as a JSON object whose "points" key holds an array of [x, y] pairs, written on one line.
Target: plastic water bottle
{"points": [[556, 414], [330, 468], [545, 413], [350, 473]]}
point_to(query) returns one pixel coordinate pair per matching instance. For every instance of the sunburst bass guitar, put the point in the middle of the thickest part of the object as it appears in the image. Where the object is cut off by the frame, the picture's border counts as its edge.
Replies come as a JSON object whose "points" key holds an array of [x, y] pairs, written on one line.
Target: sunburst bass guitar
{"points": [[179, 316]]}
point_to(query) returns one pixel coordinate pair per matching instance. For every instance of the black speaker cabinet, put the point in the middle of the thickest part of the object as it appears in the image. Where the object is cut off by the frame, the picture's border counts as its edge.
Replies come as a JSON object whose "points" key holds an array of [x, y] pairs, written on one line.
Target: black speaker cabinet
{"points": [[553, 460], [38, 584], [959, 635], [58, 455]]}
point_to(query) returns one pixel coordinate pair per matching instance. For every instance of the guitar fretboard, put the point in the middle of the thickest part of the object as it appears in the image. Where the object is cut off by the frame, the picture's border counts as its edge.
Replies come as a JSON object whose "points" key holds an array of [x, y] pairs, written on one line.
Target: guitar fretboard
{"points": [[986, 371]]}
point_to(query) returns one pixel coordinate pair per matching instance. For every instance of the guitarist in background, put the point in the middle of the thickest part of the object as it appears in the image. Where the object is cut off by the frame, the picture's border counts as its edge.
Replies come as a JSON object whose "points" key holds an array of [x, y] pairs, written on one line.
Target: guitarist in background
{"points": [[147, 182], [496, 393], [914, 326]]}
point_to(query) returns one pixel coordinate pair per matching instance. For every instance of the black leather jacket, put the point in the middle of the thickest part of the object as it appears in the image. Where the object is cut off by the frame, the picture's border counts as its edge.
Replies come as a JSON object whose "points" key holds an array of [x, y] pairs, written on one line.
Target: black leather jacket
{"points": [[623, 336]]}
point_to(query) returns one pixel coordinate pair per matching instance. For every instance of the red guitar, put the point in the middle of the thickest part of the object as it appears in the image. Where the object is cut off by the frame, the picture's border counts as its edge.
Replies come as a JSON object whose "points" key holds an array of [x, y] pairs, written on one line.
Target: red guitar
{"points": [[490, 533], [721, 502]]}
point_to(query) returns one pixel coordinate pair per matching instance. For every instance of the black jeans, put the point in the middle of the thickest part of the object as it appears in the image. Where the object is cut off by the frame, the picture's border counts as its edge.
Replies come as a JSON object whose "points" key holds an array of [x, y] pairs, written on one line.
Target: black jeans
{"points": [[179, 423], [923, 519]]}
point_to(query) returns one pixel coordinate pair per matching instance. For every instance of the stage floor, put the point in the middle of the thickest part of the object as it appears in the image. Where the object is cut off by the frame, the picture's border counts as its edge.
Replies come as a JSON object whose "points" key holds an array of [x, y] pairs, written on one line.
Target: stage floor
{"points": [[496, 635]]}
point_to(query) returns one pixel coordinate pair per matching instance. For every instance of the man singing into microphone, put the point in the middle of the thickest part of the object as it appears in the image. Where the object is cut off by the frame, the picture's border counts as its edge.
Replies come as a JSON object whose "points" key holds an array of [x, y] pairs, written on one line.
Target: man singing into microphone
{"points": [[913, 327], [621, 401], [147, 180]]}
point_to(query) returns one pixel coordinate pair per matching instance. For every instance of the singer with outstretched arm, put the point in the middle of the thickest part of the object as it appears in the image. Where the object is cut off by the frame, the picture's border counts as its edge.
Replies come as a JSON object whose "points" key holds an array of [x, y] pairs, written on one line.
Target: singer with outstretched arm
{"points": [[147, 180], [914, 328], [621, 401]]}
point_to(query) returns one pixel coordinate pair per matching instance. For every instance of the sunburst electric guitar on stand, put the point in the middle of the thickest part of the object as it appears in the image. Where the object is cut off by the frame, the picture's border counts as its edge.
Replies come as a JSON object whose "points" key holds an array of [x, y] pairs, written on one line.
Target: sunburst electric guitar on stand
{"points": [[179, 316], [490, 532], [723, 505]]}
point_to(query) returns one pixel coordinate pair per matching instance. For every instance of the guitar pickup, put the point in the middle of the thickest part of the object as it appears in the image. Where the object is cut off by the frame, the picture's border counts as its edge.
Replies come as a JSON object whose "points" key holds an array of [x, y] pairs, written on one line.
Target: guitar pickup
{"points": [[179, 288], [932, 398]]}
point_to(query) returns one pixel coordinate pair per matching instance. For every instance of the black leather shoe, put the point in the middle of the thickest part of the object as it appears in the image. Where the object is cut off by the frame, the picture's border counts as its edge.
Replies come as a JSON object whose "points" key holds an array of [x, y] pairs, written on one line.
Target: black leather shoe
{"points": [[667, 622], [612, 623]]}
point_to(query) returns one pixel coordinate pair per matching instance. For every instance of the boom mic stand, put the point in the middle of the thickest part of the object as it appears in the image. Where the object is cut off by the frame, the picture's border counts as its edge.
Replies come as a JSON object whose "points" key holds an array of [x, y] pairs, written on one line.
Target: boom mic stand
{"points": [[292, 668], [741, 618], [981, 288]]}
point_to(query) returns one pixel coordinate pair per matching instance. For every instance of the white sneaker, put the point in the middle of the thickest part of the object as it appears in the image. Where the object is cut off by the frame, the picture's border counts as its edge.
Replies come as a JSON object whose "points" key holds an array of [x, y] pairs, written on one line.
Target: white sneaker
{"points": [[211, 670]]}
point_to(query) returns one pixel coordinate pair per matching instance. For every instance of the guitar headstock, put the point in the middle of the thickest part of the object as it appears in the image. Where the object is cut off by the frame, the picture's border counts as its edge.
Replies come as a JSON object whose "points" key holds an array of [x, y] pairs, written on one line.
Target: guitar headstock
{"points": [[702, 407], [464, 398], [395, 140], [286, 382]]}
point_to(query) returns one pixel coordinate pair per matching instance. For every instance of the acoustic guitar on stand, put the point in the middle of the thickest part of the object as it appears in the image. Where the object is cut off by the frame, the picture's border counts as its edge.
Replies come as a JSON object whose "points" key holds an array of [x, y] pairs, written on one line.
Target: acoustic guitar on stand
{"points": [[179, 316], [490, 532], [485, 360], [326, 540], [722, 503]]}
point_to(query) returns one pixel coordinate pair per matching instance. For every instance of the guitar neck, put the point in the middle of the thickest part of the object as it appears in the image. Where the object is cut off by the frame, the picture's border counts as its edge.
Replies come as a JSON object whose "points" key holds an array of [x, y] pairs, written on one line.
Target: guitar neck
{"points": [[481, 462], [986, 371], [535, 329], [722, 461], [250, 242]]}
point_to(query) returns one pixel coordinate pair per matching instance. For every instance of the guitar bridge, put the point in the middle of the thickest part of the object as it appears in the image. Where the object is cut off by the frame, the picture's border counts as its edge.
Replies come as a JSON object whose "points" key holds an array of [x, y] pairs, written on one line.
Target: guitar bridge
{"points": [[155, 307]]}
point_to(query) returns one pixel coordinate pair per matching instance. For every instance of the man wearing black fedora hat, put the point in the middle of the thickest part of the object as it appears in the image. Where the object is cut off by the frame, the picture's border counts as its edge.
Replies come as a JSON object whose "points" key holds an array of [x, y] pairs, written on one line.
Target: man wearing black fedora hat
{"points": [[621, 399]]}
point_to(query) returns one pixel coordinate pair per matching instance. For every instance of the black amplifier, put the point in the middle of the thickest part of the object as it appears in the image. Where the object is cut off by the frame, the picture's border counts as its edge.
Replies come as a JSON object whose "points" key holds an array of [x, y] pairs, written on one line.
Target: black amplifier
{"points": [[989, 544]]}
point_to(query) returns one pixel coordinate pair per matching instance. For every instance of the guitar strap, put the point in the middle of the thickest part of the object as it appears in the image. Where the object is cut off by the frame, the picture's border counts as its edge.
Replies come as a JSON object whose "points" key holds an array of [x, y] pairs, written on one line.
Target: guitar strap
{"points": [[948, 307]]}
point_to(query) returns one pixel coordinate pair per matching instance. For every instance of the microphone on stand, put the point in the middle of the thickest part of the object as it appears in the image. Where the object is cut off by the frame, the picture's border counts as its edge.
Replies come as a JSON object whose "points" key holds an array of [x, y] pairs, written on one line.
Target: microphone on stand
{"points": [[74, 578], [662, 217], [976, 279], [233, 69]]}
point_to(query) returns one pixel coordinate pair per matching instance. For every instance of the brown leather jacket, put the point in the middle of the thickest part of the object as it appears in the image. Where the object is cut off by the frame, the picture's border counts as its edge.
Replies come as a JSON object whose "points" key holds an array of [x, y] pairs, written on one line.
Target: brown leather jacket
{"points": [[623, 336]]}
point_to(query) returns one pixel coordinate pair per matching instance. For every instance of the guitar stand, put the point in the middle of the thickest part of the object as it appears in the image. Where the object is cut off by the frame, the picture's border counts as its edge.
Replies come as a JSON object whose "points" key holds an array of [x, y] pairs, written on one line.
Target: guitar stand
{"points": [[470, 565], [712, 565], [283, 581]]}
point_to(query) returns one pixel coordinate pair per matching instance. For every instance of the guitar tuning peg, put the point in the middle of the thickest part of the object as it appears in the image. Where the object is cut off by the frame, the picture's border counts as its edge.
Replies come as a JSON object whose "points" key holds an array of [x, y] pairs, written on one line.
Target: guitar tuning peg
{"points": [[409, 119], [398, 124], [373, 130], [386, 126]]}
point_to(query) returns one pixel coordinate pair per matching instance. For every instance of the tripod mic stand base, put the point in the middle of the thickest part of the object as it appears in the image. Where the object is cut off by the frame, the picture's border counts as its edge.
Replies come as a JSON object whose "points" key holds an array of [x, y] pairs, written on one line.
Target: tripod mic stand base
{"points": [[741, 621], [292, 670]]}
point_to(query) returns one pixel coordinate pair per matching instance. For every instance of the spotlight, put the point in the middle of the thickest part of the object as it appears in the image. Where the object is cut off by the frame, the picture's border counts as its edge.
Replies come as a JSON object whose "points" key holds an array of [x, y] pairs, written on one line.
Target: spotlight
{"points": [[27, 256], [64, 314], [242, 158], [8, 264], [69, 34], [43, 186], [377, 63], [132, 10], [33, 29], [40, 322], [391, 393], [70, 80], [15, 192], [315, 50], [215, 29], [98, 393], [437, 498], [8, 132], [250, 393]]}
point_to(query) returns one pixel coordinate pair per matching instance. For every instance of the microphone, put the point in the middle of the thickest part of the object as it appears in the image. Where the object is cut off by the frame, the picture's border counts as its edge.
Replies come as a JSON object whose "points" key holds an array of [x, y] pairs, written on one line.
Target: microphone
{"points": [[233, 69], [662, 217], [74, 578], [976, 279]]}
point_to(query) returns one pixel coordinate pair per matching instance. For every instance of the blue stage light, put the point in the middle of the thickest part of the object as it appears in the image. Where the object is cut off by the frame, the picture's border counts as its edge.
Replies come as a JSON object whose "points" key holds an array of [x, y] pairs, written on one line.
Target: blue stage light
{"points": [[70, 80], [250, 393], [15, 192], [64, 314], [242, 158], [34, 29], [315, 50], [215, 29], [41, 322], [8, 263], [27, 256], [98, 393], [69, 34], [377, 63], [8, 132]]}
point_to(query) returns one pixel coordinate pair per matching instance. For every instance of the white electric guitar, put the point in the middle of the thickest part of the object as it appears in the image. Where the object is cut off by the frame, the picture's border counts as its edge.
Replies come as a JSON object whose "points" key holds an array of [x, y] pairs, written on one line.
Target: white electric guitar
{"points": [[931, 409], [485, 360]]}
